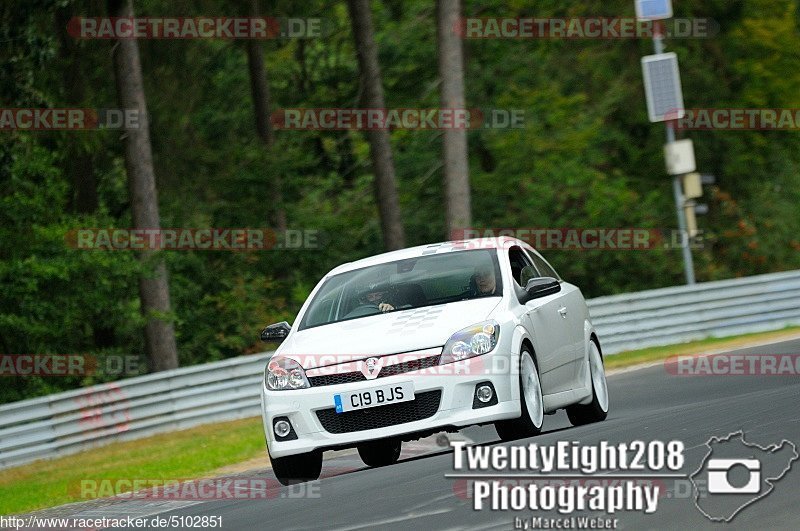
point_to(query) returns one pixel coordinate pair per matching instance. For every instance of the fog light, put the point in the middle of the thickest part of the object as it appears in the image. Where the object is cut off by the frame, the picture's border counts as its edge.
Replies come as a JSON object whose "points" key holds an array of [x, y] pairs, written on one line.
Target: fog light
{"points": [[282, 428], [484, 393]]}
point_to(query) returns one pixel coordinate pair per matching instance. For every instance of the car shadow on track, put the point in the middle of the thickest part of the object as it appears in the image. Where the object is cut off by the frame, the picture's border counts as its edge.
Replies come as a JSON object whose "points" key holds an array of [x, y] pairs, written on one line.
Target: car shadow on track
{"points": [[349, 466]]}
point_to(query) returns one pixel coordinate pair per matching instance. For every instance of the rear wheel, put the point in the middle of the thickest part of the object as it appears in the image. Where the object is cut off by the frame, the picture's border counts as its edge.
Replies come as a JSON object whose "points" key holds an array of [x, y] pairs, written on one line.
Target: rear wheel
{"points": [[298, 468], [380, 453], [597, 409], [530, 421]]}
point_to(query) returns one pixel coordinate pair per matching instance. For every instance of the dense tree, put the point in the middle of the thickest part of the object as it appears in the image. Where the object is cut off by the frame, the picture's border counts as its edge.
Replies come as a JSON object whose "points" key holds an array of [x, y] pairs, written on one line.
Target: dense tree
{"points": [[587, 157], [81, 171], [259, 87], [371, 89], [454, 143], [153, 283]]}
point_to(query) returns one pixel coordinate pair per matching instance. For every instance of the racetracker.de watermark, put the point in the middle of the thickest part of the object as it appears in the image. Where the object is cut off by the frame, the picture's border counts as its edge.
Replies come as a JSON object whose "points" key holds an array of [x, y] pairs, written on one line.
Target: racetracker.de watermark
{"points": [[339, 119], [716, 119], [68, 119], [205, 489], [261, 28], [192, 239], [601, 28], [380, 365], [580, 239], [734, 365], [23, 365]]}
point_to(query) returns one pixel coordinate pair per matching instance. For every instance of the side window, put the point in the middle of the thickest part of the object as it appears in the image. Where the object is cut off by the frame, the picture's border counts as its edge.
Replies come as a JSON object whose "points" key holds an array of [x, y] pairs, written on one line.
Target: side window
{"points": [[544, 268], [521, 266]]}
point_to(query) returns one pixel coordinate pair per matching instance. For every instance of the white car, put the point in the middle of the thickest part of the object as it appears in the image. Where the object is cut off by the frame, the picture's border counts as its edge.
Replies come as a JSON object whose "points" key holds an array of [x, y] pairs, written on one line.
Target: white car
{"points": [[428, 339]]}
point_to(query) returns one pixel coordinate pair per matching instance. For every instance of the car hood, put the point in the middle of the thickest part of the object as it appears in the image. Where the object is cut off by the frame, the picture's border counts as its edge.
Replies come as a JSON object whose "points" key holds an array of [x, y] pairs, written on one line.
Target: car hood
{"points": [[389, 333]]}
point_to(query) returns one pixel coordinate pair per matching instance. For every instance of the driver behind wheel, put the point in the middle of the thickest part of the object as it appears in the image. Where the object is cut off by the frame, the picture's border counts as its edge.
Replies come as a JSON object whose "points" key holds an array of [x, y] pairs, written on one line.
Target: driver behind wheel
{"points": [[378, 294], [483, 283]]}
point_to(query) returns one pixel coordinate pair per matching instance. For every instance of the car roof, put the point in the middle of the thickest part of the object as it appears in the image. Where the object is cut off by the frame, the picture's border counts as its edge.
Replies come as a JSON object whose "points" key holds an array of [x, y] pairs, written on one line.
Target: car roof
{"points": [[502, 242]]}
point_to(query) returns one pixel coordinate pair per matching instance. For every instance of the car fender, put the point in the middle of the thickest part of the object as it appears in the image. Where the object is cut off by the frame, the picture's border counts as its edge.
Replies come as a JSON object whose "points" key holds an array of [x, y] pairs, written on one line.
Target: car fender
{"points": [[584, 376], [520, 334], [588, 332]]}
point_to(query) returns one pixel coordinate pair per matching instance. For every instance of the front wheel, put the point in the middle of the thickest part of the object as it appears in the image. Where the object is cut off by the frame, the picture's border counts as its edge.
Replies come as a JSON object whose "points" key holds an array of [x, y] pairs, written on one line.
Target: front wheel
{"points": [[380, 453], [531, 402], [597, 409], [298, 468]]}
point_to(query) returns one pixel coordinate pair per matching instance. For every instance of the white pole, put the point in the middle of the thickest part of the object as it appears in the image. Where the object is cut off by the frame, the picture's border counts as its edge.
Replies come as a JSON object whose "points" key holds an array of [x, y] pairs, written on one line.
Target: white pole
{"points": [[688, 264]]}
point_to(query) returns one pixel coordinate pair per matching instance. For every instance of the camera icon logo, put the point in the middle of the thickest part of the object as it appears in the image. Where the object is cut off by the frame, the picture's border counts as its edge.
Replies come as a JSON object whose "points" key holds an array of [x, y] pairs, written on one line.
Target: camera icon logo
{"points": [[719, 476], [735, 474]]}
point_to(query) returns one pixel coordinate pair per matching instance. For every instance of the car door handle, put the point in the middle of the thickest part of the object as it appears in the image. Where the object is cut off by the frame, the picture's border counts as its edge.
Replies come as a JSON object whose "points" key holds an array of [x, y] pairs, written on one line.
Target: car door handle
{"points": [[563, 311]]}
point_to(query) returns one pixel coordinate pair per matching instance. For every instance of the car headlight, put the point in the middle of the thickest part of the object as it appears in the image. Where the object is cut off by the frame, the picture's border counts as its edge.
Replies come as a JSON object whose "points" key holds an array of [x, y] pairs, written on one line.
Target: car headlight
{"points": [[283, 374], [472, 341]]}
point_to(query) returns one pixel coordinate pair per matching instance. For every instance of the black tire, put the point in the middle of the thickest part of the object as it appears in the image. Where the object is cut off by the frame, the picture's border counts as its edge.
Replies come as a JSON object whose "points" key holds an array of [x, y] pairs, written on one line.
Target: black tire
{"points": [[380, 453], [524, 426], [299, 468], [582, 414]]}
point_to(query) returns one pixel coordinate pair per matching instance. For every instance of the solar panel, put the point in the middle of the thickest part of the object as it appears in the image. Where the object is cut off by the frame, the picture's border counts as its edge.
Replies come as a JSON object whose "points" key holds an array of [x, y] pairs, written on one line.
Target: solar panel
{"points": [[662, 85]]}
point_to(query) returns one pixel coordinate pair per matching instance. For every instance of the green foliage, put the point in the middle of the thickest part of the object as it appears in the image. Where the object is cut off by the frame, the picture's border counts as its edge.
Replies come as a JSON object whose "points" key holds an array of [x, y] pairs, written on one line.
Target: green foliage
{"points": [[586, 158], [55, 299]]}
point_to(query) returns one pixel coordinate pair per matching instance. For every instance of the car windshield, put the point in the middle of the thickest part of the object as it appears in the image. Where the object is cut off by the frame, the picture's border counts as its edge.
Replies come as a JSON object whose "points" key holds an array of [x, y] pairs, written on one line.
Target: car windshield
{"points": [[405, 284]]}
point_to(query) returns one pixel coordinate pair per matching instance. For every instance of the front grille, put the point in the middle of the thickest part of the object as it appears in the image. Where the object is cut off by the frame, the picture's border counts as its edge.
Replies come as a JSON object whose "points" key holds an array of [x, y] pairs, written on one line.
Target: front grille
{"points": [[334, 379], [424, 405], [390, 370], [408, 366]]}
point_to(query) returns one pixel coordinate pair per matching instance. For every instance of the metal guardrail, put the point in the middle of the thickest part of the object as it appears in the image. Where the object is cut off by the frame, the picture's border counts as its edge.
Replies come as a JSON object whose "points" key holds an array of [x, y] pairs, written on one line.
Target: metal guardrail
{"points": [[685, 313], [67, 422], [64, 423]]}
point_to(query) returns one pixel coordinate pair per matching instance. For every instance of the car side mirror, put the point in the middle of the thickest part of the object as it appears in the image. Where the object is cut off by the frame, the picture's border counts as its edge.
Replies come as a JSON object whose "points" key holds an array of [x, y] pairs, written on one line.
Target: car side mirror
{"points": [[276, 333], [542, 287]]}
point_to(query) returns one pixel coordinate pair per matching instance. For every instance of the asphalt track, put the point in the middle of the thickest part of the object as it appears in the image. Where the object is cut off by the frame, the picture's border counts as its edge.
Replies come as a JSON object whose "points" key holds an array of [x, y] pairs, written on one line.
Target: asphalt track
{"points": [[647, 403]]}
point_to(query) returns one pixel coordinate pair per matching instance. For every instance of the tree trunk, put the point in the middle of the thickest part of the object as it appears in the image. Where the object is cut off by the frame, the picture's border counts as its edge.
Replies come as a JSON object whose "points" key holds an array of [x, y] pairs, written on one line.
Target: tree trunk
{"points": [[380, 146], [259, 88], [451, 72], [153, 284]]}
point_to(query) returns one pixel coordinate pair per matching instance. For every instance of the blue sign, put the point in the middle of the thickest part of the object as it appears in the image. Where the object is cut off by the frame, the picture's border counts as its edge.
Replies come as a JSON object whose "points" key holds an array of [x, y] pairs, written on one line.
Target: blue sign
{"points": [[653, 9]]}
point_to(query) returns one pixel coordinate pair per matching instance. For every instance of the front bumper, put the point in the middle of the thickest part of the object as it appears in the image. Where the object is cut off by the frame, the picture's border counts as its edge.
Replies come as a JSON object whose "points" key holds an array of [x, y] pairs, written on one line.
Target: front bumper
{"points": [[456, 382]]}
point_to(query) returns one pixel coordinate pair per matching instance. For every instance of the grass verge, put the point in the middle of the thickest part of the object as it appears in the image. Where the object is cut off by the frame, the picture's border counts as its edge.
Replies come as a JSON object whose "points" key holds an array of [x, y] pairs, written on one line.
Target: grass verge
{"points": [[646, 355], [185, 454], [201, 451]]}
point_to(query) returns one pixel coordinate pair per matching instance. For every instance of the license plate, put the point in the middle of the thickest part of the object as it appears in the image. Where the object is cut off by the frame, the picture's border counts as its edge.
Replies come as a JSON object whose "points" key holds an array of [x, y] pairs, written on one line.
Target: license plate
{"points": [[374, 396]]}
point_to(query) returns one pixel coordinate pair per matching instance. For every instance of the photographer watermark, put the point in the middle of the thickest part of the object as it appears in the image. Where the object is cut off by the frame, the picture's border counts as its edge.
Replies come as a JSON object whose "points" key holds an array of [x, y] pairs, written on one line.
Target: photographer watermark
{"points": [[627, 476], [68, 119], [738, 473], [105, 522], [221, 488], [580, 239], [193, 239], [716, 119], [733, 365], [262, 28], [47, 365], [569, 477], [600, 28], [340, 119]]}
